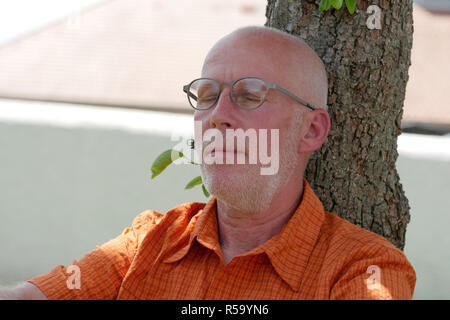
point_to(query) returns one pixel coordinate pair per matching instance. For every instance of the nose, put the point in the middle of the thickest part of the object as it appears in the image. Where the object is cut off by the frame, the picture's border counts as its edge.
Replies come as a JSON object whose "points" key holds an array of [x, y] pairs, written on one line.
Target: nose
{"points": [[221, 116]]}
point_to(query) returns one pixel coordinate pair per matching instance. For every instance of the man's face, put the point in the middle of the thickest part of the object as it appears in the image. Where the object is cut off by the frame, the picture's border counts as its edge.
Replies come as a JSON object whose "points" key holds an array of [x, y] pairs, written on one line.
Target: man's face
{"points": [[243, 184]]}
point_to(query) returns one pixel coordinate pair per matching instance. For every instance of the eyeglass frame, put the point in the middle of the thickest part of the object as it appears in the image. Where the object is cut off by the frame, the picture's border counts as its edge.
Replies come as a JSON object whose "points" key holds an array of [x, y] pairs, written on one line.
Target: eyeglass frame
{"points": [[232, 83]]}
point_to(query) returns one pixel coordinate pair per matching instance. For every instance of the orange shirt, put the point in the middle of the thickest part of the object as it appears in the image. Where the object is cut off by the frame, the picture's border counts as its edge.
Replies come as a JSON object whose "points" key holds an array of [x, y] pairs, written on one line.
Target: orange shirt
{"points": [[177, 255]]}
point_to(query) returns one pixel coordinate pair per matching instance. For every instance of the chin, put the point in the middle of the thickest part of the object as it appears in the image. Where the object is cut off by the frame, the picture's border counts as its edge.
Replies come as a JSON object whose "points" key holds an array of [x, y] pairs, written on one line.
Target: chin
{"points": [[239, 186], [220, 179]]}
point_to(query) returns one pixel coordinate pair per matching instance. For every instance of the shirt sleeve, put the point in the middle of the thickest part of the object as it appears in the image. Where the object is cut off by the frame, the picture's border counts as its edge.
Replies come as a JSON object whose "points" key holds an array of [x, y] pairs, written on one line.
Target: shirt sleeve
{"points": [[98, 275], [383, 274]]}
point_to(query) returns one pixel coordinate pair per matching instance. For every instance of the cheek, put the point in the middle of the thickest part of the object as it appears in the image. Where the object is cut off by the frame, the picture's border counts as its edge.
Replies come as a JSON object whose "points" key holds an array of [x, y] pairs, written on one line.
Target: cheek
{"points": [[288, 132], [276, 114], [282, 123], [277, 128]]}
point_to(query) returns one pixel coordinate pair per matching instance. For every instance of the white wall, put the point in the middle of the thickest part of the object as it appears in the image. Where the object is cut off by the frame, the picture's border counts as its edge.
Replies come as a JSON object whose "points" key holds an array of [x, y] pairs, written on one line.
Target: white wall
{"points": [[424, 169], [73, 177]]}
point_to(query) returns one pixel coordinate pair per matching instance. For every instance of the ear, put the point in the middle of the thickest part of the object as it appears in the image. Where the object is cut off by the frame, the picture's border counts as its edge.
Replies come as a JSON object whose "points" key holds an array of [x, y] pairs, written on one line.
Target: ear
{"points": [[317, 126]]}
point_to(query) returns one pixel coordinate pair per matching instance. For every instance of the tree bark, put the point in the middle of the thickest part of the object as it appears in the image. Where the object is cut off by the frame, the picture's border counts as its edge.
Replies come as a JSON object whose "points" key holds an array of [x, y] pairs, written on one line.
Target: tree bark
{"points": [[354, 173]]}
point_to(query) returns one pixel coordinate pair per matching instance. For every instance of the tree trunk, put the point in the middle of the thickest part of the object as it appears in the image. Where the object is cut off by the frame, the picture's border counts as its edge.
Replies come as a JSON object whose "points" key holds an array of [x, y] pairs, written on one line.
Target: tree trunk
{"points": [[354, 173]]}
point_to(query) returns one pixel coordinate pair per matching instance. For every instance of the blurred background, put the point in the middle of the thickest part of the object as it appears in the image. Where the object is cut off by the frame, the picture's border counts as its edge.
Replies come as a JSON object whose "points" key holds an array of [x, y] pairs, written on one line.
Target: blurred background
{"points": [[90, 94]]}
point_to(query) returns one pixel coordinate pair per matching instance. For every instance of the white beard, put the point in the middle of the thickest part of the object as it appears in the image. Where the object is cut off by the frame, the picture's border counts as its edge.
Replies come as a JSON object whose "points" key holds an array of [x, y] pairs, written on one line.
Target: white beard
{"points": [[243, 188]]}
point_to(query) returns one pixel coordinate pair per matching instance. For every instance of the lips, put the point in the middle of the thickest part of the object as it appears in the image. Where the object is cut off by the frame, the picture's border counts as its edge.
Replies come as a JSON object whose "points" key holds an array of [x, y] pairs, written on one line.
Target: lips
{"points": [[212, 151]]}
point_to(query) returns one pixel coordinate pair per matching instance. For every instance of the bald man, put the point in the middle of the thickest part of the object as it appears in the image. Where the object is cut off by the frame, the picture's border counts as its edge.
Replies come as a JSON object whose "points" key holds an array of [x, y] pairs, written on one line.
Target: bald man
{"points": [[261, 236]]}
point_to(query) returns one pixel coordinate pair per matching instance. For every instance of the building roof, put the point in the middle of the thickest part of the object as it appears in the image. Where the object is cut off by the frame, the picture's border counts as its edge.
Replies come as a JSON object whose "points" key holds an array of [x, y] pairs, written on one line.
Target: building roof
{"points": [[136, 53], [427, 91], [435, 5], [139, 53]]}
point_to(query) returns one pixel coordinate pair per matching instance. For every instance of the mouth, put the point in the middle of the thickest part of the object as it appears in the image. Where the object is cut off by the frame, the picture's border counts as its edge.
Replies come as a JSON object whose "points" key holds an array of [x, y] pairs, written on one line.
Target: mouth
{"points": [[211, 151]]}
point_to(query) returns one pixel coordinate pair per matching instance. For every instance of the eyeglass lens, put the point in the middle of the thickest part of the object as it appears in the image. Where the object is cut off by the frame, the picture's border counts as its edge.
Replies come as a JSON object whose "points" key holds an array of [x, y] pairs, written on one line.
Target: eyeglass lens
{"points": [[247, 93]]}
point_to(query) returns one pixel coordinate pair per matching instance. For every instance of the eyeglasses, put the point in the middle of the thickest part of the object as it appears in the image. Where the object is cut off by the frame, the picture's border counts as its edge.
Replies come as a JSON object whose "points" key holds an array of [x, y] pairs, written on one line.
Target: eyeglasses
{"points": [[247, 93]]}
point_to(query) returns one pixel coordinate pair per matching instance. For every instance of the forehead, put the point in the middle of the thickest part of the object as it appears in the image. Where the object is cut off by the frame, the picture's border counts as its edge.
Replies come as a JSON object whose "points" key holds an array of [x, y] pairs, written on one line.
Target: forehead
{"points": [[243, 56]]}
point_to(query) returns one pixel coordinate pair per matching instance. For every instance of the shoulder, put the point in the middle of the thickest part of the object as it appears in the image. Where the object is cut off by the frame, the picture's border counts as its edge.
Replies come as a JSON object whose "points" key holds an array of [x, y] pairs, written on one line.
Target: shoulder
{"points": [[341, 231], [354, 254], [347, 242]]}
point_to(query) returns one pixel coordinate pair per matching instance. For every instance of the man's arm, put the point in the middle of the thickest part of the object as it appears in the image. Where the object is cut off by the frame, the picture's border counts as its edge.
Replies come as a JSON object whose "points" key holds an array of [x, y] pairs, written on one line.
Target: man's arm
{"points": [[98, 275], [383, 273], [24, 291]]}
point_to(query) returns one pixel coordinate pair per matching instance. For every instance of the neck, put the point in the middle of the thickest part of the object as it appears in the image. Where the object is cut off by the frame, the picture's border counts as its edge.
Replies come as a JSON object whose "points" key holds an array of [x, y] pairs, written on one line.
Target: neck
{"points": [[240, 232]]}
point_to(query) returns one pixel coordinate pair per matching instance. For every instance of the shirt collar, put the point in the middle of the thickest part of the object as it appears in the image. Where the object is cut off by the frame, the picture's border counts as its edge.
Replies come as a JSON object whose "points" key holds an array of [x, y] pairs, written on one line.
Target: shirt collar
{"points": [[205, 230], [288, 251]]}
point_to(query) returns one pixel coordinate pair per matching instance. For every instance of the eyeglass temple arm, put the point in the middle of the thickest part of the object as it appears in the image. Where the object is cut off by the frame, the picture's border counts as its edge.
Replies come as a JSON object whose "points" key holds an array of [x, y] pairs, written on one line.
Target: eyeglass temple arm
{"points": [[185, 89], [293, 96]]}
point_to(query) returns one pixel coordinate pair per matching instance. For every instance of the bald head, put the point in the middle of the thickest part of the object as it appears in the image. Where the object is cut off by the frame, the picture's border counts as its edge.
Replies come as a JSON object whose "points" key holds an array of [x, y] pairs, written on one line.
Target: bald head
{"points": [[301, 68], [289, 63]]}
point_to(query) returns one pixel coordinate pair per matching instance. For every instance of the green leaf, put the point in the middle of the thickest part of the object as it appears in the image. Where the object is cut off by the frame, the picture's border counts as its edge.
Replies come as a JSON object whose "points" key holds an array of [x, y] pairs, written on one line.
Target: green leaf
{"points": [[337, 4], [163, 160], [205, 192], [194, 182], [324, 5], [351, 5]]}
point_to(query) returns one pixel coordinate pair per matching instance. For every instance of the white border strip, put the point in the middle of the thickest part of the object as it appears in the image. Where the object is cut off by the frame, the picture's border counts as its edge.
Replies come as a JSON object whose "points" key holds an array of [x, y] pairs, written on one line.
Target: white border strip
{"points": [[424, 146], [167, 124], [71, 116]]}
